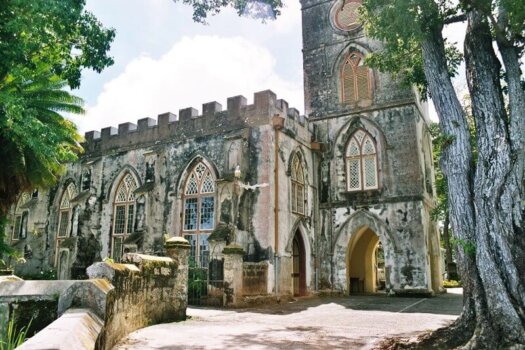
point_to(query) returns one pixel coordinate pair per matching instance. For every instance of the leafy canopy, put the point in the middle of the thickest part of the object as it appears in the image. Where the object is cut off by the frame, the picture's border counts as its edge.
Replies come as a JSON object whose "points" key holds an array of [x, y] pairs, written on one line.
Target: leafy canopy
{"points": [[44, 45]]}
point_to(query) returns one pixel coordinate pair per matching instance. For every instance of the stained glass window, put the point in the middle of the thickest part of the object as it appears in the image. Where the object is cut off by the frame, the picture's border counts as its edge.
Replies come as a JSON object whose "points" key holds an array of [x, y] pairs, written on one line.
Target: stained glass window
{"points": [[361, 162], [199, 210]]}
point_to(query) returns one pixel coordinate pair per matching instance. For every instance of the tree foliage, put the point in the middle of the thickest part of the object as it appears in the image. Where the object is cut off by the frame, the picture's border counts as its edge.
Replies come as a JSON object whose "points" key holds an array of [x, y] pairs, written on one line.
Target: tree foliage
{"points": [[262, 9], [485, 190], [44, 45]]}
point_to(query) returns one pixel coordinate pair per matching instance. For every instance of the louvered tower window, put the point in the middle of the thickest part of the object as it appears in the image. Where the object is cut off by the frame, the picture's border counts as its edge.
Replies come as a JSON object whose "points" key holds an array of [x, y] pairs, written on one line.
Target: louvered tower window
{"points": [[297, 175], [64, 217], [123, 214], [199, 211], [355, 80], [361, 162]]}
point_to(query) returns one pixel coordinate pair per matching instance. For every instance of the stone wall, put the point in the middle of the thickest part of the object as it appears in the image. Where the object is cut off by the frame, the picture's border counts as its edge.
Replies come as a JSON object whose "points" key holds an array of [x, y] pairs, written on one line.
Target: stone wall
{"points": [[147, 290], [255, 278], [118, 299]]}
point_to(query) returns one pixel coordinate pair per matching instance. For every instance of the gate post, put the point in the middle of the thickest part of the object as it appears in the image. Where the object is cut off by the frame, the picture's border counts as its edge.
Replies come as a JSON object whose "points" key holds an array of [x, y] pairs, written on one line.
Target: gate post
{"points": [[233, 254], [178, 249]]}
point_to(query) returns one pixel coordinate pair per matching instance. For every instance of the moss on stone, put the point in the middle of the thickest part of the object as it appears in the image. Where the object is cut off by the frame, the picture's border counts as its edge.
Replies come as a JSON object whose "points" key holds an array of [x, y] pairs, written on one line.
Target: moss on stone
{"points": [[233, 248], [222, 233]]}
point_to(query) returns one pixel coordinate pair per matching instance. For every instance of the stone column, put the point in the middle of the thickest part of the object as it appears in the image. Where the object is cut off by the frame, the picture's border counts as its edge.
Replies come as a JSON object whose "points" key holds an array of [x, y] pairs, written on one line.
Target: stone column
{"points": [[178, 249], [233, 254]]}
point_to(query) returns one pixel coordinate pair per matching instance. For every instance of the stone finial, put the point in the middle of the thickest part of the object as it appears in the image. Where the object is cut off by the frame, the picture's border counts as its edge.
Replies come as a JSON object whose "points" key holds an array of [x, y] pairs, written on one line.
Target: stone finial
{"points": [[177, 242]]}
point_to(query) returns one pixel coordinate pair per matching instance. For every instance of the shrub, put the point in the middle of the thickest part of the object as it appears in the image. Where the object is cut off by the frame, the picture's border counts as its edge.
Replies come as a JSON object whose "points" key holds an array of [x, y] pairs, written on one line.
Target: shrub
{"points": [[451, 284]]}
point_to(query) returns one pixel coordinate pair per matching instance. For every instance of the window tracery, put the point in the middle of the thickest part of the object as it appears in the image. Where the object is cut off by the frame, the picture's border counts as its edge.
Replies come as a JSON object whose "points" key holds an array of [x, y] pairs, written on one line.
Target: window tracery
{"points": [[297, 179], [361, 162], [199, 211], [123, 214], [20, 220], [346, 15], [64, 217]]}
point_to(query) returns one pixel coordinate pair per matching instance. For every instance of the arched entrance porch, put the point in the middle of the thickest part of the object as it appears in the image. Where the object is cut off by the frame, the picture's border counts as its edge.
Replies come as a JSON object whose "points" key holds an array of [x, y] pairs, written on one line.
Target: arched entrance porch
{"points": [[351, 238], [365, 263]]}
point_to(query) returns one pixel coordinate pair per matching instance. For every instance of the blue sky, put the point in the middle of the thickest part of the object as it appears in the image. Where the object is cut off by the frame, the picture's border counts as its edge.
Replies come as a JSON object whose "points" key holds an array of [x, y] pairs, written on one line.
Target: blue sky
{"points": [[165, 62]]}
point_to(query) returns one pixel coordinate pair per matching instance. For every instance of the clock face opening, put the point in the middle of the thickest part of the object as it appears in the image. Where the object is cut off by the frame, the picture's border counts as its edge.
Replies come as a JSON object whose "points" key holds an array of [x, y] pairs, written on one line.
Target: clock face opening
{"points": [[346, 16]]}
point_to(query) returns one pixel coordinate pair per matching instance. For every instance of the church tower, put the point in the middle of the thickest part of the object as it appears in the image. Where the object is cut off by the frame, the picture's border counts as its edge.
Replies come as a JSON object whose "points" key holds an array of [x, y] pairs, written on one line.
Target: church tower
{"points": [[375, 167]]}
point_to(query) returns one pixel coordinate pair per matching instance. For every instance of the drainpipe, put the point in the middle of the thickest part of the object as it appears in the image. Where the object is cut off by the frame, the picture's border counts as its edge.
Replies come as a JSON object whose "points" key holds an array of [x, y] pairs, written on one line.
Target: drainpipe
{"points": [[278, 124]]}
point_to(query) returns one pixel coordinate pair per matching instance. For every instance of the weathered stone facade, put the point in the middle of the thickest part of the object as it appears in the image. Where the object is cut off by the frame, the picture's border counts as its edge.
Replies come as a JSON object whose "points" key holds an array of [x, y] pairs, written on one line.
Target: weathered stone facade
{"points": [[290, 189]]}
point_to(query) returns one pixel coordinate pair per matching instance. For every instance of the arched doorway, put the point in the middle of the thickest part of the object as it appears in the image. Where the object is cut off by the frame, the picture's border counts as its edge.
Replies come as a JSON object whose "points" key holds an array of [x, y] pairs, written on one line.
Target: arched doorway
{"points": [[365, 263], [298, 265]]}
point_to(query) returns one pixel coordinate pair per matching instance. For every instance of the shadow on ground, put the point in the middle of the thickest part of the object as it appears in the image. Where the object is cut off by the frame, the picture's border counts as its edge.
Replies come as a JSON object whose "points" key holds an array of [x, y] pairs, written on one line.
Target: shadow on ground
{"points": [[443, 304], [312, 338]]}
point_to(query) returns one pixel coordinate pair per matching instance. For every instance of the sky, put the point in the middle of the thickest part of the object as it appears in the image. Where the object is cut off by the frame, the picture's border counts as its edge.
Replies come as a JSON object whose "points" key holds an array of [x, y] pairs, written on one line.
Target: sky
{"points": [[165, 62]]}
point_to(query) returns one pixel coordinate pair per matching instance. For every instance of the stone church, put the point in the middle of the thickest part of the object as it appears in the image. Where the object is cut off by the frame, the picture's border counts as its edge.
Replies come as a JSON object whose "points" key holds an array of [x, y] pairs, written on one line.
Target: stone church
{"points": [[338, 199]]}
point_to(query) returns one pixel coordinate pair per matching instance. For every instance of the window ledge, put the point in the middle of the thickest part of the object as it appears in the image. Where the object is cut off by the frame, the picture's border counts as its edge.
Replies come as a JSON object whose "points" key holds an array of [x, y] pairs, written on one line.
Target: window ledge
{"points": [[362, 195]]}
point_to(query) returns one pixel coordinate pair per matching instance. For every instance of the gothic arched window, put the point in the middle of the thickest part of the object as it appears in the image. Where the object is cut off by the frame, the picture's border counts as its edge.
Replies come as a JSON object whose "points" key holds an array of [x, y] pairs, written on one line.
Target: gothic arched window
{"points": [[123, 214], [64, 217], [355, 79], [199, 211], [361, 162], [20, 218], [297, 176]]}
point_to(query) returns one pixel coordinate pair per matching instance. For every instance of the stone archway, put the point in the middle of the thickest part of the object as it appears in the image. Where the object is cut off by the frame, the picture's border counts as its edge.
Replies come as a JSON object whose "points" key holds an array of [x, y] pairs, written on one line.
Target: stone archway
{"points": [[353, 233], [298, 265], [365, 263]]}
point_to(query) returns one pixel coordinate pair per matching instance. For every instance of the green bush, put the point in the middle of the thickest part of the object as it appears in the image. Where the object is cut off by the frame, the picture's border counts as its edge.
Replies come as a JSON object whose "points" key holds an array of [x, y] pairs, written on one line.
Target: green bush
{"points": [[451, 284]]}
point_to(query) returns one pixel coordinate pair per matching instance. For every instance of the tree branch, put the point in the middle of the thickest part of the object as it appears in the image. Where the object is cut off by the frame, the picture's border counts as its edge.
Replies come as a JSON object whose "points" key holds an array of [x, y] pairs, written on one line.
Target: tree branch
{"points": [[455, 19]]}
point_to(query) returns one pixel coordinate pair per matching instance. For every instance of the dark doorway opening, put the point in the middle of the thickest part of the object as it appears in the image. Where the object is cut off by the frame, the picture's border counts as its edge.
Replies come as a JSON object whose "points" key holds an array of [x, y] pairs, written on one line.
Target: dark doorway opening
{"points": [[299, 265]]}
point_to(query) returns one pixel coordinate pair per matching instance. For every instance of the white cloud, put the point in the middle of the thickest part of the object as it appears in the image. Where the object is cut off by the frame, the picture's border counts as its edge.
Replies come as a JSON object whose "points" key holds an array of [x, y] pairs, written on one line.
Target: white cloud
{"points": [[195, 70]]}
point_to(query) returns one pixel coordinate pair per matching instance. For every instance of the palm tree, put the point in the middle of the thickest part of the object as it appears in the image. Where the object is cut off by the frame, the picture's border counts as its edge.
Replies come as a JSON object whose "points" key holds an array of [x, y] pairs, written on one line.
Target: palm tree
{"points": [[35, 138]]}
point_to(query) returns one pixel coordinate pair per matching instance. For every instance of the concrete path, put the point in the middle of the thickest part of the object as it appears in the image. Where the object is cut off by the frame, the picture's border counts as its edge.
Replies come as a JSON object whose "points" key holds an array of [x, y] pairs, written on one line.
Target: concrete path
{"points": [[356, 322]]}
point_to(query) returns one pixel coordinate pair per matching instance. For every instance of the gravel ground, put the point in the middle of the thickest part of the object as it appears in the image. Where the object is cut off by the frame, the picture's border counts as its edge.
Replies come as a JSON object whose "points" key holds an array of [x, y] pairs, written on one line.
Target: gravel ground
{"points": [[356, 322]]}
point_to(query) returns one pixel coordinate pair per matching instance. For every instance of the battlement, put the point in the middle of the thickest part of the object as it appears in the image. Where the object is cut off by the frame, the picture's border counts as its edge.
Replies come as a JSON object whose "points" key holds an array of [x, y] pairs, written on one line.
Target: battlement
{"points": [[190, 123]]}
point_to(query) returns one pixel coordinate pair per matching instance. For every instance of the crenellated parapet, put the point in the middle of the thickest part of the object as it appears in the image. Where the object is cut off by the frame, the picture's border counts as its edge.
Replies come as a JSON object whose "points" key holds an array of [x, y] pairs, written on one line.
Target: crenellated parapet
{"points": [[189, 123]]}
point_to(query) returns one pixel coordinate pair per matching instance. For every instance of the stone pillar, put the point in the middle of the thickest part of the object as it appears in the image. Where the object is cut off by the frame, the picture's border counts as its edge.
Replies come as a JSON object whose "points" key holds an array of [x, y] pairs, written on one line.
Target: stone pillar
{"points": [[233, 254], [178, 249]]}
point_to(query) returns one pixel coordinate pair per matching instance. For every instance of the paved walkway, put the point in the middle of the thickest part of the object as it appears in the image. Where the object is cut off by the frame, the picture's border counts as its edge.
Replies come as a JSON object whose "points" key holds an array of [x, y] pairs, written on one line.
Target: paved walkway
{"points": [[356, 322]]}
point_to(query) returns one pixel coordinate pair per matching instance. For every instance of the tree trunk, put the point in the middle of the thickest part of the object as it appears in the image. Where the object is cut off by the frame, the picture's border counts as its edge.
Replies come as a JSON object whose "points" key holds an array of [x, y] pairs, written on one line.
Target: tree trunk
{"points": [[452, 273], [456, 162], [495, 195]]}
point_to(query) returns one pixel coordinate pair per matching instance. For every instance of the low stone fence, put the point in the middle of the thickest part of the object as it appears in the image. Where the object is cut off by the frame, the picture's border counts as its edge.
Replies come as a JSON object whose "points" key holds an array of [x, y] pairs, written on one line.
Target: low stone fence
{"points": [[147, 290], [255, 278], [97, 313]]}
